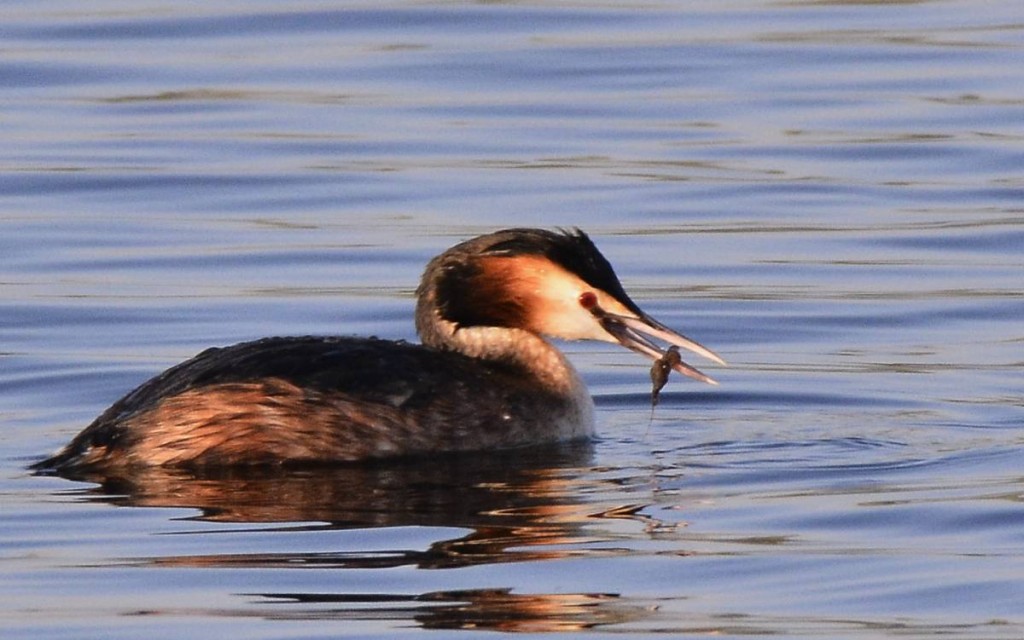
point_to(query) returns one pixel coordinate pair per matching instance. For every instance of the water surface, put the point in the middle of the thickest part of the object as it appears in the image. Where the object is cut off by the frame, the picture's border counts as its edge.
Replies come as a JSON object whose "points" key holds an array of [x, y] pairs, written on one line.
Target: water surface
{"points": [[827, 193]]}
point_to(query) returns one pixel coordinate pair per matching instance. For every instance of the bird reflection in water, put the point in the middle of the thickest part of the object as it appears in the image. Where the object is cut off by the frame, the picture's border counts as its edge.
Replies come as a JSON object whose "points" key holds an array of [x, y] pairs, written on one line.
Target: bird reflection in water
{"points": [[521, 509], [482, 609]]}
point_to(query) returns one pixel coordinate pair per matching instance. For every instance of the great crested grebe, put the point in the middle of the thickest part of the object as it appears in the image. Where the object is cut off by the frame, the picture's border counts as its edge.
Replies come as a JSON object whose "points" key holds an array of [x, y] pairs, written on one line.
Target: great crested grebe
{"points": [[484, 377]]}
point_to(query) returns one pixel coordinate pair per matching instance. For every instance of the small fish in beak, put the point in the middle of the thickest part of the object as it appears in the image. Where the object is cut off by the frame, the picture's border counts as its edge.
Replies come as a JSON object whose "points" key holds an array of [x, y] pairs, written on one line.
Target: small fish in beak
{"points": [[632, 333], [660, 370]]}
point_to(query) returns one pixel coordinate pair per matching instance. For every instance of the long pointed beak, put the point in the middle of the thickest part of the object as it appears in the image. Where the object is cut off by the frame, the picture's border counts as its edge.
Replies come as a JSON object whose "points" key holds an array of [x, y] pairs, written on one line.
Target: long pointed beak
{"points": [[633, 333]]}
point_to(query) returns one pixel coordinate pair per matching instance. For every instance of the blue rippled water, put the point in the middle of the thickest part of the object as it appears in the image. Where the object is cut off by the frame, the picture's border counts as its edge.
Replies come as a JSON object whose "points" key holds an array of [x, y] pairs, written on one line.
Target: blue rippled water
{"points": [[827, 193]]}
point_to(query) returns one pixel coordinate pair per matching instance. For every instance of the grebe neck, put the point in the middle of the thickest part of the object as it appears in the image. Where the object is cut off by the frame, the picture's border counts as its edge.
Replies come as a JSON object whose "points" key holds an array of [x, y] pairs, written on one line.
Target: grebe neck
{"points": [[501, 345], [509, 347]]}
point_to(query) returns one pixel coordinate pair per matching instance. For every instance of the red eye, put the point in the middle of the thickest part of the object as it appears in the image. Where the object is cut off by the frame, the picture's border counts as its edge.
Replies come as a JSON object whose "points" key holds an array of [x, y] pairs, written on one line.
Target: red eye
{"points": [[588, 300]]}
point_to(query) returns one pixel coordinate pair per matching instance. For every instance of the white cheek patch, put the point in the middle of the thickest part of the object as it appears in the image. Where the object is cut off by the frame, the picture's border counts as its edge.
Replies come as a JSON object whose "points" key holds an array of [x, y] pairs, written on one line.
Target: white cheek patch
{"points": [[559, 311]]}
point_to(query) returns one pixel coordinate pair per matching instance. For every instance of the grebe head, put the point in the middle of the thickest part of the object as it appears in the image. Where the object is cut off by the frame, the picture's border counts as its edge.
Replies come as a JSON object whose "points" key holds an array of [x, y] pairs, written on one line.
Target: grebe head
{"points": [[540, 282]]}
